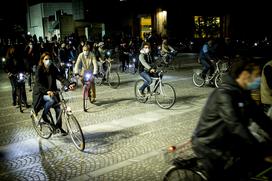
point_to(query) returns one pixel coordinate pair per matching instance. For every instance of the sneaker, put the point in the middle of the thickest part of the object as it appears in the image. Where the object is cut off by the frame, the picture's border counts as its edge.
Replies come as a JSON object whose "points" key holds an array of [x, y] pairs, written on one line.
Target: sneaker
{"points": [[92, 100], [141, 93]]}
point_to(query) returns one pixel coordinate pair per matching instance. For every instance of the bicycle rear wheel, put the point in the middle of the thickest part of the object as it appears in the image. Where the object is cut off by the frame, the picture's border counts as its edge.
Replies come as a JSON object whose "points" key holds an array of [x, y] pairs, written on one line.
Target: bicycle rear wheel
{"points": [[165, 96], [198, 80], [182, 174], [137, 86], [113, 79], [44, 130], [75, 132]]}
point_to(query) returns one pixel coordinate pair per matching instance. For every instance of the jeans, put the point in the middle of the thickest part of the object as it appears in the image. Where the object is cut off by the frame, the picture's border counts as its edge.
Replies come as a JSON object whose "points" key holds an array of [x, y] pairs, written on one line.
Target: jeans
{"points": [[49, 102], [147, 81], [207, 65]]}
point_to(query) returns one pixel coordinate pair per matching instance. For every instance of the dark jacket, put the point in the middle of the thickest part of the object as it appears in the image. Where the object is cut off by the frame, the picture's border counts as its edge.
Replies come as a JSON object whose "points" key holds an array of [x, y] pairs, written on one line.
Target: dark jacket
{"points": [[146, 62], [222, 129], [46, 81]]}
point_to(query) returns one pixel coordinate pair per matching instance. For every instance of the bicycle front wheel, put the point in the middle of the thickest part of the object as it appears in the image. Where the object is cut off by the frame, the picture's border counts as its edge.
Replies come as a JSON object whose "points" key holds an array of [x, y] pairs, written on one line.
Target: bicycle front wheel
{"points": [[198, 80], [218, 80], [182, 174], [44, 130], [165, 96], [114, 79], [85, 97], [99, 79], [75, 132]]}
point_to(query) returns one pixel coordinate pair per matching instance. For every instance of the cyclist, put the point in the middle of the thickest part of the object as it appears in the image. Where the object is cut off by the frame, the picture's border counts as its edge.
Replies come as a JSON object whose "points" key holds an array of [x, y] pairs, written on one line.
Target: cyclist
{"points": [[206, 58], [13, 66], [101, 58], [167, 51], [146, 68], [227, 148], [88, 62], [44, 89]]}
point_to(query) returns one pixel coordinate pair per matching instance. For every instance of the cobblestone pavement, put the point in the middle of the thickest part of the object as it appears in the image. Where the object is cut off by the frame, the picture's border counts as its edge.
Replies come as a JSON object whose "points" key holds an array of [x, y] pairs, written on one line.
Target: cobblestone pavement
{"points": [[125, 139]]}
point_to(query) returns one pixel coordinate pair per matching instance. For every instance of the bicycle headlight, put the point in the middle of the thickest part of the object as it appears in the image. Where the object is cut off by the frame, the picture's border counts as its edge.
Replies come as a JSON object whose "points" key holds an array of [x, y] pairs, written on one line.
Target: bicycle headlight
{"points": [[3, 59], [134, 59], [21, 76], [87, 76], [68, 64], [108, 53]]}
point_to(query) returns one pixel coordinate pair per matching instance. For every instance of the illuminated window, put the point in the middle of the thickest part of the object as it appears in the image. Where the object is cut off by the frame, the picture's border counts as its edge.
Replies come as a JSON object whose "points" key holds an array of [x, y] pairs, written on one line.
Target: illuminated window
{"points": [[206, 26]]}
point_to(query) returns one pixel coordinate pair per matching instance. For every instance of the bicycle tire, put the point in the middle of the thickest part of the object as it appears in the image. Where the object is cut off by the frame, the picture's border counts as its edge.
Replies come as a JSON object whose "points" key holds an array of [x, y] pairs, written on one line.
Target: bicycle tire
{"points": [[182, 174], [137, 85], [85, 97], [113, 79], [75, 132], [165, 96], [198, 80], [218, 80], [44, 130], [98, 79]]}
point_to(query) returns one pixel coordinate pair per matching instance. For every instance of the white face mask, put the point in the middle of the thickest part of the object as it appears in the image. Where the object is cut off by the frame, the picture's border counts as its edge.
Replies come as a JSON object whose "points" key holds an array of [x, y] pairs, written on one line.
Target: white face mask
{"points": [[47, 63], [86, 53]]}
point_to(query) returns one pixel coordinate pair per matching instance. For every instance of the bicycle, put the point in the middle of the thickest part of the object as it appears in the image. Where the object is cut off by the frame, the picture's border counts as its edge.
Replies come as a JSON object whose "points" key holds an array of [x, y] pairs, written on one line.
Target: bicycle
{"points": [[165, 94], [86, 93], [189, 169], [108, 76], [215, 78], [46, 130], [20, 90]]}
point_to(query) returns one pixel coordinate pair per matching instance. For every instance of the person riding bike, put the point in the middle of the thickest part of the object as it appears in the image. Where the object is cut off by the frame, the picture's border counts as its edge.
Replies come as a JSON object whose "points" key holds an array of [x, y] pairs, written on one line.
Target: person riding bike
{"points": [[224, 143], [146, 68], [101, 57], [167, 51], [14, 65], [206, 57], [44, 89], [87, 61]]}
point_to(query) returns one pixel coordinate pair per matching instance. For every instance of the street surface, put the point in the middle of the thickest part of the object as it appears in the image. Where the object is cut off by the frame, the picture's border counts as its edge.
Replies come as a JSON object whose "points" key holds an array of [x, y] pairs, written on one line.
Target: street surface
{"points": [[125, 139]]}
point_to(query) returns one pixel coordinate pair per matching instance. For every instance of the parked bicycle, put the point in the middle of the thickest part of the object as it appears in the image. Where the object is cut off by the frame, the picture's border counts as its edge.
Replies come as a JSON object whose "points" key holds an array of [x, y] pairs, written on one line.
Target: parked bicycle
{"points": [[165, 94], [46, 130], [215, 79], [188, 168], [108, 76]]}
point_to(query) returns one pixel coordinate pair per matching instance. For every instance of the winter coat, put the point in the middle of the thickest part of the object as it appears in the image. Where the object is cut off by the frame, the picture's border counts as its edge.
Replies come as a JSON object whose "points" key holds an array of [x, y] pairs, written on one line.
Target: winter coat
{"points": [[46, 81]]}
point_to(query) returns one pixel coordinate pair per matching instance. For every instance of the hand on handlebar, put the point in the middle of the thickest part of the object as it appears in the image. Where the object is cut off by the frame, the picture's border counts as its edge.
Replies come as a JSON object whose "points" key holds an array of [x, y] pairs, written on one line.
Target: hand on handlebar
{"points": [[72, 86], [50, 93], [152, 70]]}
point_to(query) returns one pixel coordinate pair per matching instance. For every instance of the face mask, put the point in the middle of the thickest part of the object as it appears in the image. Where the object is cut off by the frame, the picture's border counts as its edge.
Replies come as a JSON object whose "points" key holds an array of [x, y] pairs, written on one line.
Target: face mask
{"points": [[47, 63], [255, 84], [146, 50], [86, 53]]}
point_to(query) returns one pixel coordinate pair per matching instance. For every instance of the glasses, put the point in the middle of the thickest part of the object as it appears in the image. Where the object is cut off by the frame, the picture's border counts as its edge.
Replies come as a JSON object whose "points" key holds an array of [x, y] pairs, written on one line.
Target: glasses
{"points": [[146, 47]]}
